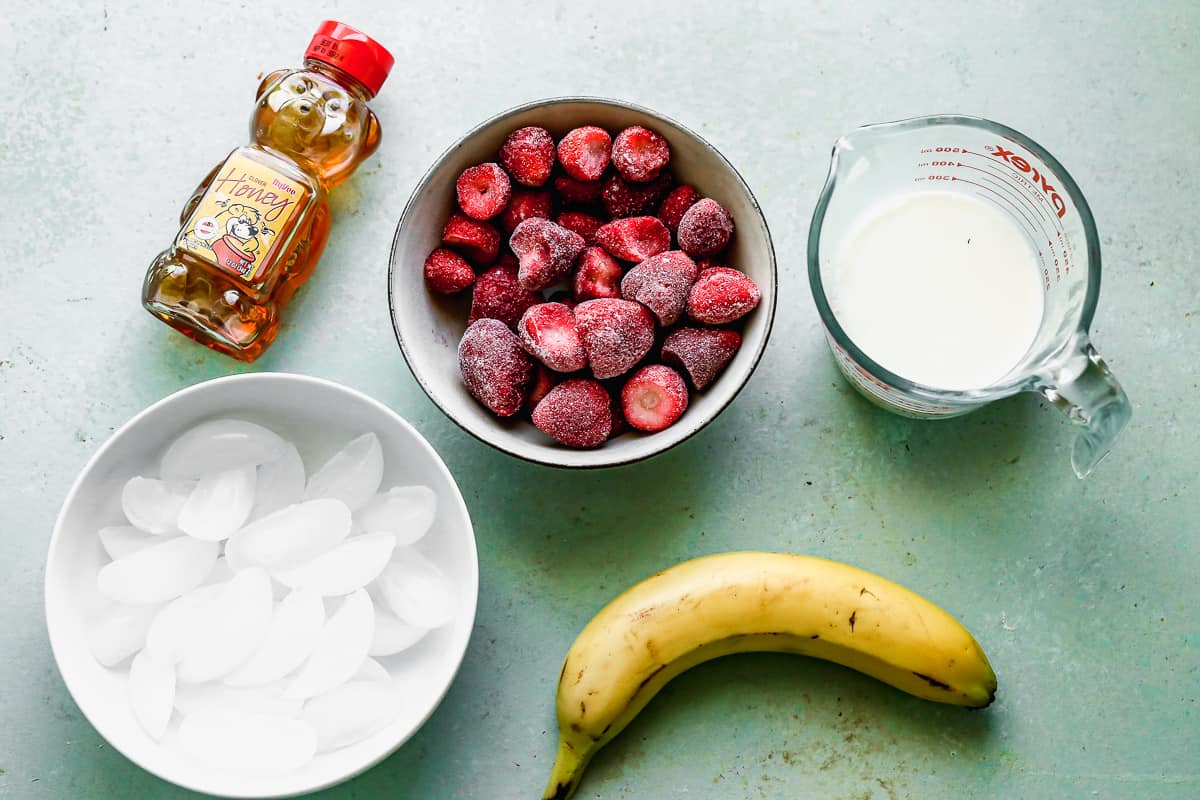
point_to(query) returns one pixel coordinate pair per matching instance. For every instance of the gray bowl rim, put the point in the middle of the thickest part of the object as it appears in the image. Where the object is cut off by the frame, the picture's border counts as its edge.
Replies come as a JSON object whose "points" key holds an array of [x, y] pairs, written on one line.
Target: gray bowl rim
{"points": [[194, 388], [423, 183]]}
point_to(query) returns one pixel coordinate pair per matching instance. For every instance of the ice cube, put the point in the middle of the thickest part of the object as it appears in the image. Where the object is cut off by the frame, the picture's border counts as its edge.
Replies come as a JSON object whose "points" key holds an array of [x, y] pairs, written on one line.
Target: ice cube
{"points": [[119, 633], [290, 536], [265, 699], [180, 622], [158, 573], [352, 476], [351, 565], [234, 556], [293, 633], [151, 693], [219, 505], [220, 572], [280, 483], [392, 634], [351, 712], [153, 505], [340, 649], [218, 445], [246, 742], [236, 624], [406, 511], [417, 590], [372, 670], [121, 540]]}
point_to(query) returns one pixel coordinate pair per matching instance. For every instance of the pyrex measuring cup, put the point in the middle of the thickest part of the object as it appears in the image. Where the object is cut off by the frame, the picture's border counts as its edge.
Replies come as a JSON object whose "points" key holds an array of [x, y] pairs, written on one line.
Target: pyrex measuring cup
{"points": [[1014, 174]]}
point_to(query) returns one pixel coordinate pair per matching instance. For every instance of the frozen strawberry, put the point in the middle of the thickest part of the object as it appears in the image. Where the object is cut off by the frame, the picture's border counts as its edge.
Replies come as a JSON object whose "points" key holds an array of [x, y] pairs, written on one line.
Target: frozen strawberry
{"points": [[528, 155], [654, 398], [478, 242], [494, 367], [616, 334], [701, 352], [619, 425], [577, 193], [661, 284], [548, 334], [639, 154], [584, 224], [525, 204], [705, 228], [483, 191], [498, 295], [634, 238], [543, 381], [624, 199], [575, 413], [564, 297], [597, 275], [446, 272], [720, 295], [545, 251], [585, 152], [676, 205]]}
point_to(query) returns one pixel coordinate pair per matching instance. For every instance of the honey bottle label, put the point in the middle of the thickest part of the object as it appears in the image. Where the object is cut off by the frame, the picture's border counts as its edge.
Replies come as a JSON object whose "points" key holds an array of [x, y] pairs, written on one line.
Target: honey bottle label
{"points": [[244, 217]]}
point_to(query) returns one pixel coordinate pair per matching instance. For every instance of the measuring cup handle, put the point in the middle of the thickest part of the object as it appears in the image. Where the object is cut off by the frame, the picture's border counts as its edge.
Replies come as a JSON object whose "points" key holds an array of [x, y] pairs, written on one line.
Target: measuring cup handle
{"points": [[1083, 386]]}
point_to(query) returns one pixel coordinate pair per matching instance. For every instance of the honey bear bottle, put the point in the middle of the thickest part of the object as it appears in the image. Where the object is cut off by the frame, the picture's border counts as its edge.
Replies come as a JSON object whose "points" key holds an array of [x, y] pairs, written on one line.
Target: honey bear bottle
{"points": [[253, 230]]}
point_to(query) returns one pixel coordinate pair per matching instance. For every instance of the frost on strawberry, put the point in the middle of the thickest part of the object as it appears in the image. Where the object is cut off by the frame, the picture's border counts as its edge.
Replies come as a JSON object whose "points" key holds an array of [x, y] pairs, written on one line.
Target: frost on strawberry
{"points": [[546, 251], [494, 367]]}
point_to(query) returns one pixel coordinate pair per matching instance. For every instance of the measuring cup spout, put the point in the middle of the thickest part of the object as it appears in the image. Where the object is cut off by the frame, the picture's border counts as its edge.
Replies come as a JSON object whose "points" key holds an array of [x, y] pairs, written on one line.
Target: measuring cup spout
{"points": [[1083, 386]]}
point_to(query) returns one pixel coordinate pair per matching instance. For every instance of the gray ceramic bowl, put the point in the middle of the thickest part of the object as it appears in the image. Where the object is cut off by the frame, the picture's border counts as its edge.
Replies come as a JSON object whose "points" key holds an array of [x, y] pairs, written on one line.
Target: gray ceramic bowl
{"points": [[428, 327]]}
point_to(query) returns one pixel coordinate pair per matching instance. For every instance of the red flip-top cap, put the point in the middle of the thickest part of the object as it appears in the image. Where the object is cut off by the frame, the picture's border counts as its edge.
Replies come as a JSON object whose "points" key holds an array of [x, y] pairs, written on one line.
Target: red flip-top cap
{"points": [[353, 52]]}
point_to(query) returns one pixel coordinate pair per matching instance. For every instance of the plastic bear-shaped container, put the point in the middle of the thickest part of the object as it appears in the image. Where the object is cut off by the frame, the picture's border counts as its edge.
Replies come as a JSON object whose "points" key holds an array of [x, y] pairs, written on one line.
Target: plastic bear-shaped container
{"points": [[255, 226]]}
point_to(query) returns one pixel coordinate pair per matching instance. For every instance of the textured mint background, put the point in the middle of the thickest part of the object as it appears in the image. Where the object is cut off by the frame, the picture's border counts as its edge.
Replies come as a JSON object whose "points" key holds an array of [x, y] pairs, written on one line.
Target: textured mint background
{"points": [[1085, 594]]}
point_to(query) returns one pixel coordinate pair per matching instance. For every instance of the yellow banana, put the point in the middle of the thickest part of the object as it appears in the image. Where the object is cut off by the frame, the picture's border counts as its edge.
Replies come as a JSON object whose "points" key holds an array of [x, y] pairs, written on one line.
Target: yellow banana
{"points": [[746, 602]]}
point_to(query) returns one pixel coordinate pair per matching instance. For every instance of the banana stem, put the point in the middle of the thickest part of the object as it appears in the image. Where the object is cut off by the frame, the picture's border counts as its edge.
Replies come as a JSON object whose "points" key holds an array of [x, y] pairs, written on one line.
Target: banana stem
{"points": [[564, 777]]}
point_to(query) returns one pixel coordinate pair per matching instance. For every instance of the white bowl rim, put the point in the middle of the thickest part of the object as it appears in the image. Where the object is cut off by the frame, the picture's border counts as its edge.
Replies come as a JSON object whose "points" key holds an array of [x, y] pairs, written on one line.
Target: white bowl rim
{"points": [[520, 109], [207, 385]]}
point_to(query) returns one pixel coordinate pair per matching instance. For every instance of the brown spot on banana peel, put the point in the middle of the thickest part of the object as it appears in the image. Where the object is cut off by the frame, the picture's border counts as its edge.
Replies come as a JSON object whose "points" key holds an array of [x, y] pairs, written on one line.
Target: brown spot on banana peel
{"points": [[934, 682], [582, 708], [643, 613], [649, 678], [865, 590], [853, 617], [562, 791]]}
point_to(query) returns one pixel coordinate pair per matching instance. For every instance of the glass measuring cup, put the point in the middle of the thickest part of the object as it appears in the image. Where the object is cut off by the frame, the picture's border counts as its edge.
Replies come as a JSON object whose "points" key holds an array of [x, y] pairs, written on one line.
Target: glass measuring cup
{"points": [[1014, 174]]}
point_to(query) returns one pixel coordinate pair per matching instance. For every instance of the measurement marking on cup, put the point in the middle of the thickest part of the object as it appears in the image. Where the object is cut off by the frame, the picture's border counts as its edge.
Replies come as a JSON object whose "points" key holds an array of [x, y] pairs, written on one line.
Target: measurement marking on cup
{"points": [[1034, 189], [1033, 229], [1038, 230], [1005, 183], [1001, 189], [1023, 196]]}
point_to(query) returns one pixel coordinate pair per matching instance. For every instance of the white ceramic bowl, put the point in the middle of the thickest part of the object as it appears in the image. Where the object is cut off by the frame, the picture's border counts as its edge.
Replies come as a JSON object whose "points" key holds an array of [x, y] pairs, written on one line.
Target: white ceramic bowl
{"points": [[319, 416], [428, 327]]}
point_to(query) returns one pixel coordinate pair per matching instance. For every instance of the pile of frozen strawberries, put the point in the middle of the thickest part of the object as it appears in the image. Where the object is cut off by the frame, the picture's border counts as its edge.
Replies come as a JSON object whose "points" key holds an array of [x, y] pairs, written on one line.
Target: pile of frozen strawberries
{"points": [[590, 222]]}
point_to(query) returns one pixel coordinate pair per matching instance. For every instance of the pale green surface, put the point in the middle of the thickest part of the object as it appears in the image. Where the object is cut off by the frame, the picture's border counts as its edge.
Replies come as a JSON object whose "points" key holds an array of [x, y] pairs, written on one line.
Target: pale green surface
{"points": [[1084, 594]]}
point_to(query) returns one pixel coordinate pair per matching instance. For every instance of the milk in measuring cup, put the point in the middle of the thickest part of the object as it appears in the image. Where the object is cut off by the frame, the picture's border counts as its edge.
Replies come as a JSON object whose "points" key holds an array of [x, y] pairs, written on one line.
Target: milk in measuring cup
{"points": [[940, 288]]}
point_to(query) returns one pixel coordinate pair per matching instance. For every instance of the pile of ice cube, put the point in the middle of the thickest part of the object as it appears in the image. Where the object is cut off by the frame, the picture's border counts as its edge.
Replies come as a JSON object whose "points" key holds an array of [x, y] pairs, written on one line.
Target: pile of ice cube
{"points": [[252, 599]]}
